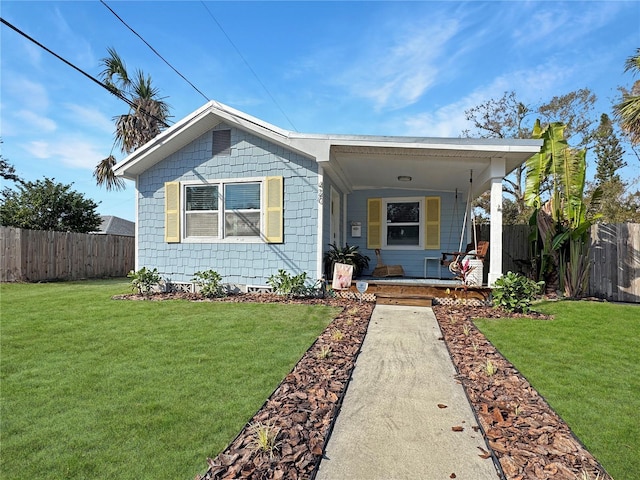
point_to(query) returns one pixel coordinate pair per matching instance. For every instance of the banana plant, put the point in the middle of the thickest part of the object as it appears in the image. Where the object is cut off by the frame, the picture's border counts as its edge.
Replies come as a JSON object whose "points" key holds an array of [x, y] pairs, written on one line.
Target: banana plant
{"points": [[555, 184]]}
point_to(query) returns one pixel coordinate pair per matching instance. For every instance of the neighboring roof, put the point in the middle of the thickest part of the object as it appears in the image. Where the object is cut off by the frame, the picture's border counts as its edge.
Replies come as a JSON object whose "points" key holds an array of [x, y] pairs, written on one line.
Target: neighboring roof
{"points": [[346, 157], [116, 226]]}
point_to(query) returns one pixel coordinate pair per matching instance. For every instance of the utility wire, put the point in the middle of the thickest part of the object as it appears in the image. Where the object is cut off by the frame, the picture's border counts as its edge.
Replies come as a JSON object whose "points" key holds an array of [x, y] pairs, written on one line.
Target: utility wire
{"points": [[219, 105], [154, 50], [111, 90], [248, 66]]}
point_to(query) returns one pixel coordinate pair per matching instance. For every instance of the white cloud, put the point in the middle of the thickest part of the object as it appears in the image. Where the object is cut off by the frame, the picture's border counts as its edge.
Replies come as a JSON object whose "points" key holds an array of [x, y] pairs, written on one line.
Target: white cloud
{"points": [[531, 87], [563, 24], [68, 152], [398, 73], [38, 149], [81, 48], [25, 107], [25, 93], [391, 62], [33, 53], [34, 122], [89, 117]]}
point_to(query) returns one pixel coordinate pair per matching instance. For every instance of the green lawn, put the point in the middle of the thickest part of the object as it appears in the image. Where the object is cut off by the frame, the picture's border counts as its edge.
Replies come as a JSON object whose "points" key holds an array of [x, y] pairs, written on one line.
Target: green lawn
{"points": [[586, 363], [98, 388]]}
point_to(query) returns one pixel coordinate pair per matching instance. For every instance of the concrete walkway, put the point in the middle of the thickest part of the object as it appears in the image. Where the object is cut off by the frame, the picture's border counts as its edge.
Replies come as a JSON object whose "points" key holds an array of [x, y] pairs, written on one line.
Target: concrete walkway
{"points": [[390, 426]]}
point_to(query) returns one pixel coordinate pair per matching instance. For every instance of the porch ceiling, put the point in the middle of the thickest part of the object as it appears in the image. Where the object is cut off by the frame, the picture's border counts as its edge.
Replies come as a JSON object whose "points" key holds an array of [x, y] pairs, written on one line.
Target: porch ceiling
{"points": [[442, 169]]}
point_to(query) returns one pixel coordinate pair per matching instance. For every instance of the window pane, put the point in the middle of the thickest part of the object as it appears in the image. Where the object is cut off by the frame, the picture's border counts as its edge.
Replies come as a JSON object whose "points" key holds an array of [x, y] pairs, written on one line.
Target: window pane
{"points": [[403, 212], [407, 235], [242, 196], [202, 198], [242, 224], [201, 225]]}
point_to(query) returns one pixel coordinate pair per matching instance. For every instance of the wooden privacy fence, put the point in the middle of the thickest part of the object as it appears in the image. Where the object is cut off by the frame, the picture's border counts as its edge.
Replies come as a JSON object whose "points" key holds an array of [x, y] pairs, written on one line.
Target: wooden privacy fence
{"points": [[38, 255], [614, 252], [615, 262]]}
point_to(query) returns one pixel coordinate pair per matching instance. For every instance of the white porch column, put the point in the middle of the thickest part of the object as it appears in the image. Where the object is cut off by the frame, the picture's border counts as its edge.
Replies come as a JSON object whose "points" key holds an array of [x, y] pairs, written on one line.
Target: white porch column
{"points": [[319, 228], [136, 247], [495, 237]]}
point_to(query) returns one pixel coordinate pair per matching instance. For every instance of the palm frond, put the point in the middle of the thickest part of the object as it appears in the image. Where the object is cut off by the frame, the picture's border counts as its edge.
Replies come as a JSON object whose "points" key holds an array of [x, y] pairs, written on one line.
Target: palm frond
{"points": [[114, 66], [142, 87], [103, 173], [632, 64], [628, 113]]}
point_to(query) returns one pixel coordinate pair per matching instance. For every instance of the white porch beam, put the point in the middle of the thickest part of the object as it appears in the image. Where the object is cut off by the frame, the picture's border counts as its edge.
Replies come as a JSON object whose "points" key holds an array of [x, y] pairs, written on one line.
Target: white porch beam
{"points": [[498, 171]]}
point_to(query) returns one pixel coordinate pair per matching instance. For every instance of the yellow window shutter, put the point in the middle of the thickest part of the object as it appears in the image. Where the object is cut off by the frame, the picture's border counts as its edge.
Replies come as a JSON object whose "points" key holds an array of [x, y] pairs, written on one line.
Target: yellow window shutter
{"points": [[274, 222], [172, 212], [432, 223], [374, 223]]}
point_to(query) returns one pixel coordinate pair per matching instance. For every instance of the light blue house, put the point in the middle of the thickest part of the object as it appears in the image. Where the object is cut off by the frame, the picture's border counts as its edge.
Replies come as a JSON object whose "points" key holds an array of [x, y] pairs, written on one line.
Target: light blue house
{"points": [[226, 191]]}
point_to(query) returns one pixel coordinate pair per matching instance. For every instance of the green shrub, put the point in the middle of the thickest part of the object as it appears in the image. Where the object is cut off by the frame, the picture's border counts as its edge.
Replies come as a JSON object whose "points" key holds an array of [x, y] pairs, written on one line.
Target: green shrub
{"points": [[295, 286], [515, 292], [349, 255], [210, 283], [144, 280]]}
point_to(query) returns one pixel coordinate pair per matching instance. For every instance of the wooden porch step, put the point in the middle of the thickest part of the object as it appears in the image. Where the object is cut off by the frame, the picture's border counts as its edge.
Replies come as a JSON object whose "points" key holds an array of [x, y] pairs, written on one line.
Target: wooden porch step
{"points": [[405, 299]]}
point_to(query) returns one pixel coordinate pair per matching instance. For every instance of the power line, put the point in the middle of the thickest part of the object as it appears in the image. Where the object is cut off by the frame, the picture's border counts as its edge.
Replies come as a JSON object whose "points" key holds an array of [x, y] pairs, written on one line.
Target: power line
{"points": [[154, 50], [111, 90], [249, 66]]}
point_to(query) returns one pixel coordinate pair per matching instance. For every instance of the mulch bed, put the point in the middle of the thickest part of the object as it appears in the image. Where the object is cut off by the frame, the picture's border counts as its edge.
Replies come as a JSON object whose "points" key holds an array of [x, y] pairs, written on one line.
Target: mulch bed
{"points": [[528, 439]]}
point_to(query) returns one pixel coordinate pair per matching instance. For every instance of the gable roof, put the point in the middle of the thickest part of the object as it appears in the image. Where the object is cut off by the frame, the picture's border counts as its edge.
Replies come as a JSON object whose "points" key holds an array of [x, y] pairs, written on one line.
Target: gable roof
{"points": [[353, 161], [116, 226]]}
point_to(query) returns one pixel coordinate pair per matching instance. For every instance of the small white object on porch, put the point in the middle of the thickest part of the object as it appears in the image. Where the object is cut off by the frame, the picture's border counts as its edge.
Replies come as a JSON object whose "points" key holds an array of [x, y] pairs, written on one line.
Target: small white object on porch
{"points": [[435, 259]]}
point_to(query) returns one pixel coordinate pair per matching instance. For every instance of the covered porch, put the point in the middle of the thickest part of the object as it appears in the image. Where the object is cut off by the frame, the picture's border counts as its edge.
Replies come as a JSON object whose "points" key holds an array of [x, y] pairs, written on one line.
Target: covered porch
{"points": [[397, 170]]}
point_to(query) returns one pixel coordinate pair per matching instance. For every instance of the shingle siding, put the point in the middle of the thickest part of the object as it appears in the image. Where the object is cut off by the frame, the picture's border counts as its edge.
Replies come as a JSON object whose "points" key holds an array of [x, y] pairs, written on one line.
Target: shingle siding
{"points": [[241, 263]]}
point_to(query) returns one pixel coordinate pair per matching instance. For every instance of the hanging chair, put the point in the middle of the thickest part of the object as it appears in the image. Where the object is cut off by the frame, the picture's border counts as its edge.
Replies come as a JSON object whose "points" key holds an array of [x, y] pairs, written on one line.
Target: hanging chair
{"points": [[453, 260], [474, 250]]}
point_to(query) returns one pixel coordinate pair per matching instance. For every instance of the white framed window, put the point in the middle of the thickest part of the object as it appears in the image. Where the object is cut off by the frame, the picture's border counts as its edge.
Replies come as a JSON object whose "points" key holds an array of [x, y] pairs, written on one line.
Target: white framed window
{"points": [[237, 210], [403, 223], [227, 210]]}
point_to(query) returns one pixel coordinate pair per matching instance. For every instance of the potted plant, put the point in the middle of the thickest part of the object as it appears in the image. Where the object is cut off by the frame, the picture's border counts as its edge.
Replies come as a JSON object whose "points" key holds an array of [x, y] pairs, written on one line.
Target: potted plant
{"points": [[349, 255]]}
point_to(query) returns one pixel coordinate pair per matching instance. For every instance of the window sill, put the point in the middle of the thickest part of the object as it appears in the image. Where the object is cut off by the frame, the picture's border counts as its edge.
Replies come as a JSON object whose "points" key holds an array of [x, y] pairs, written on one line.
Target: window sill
{"points": [[403, 247], [232, 240]]}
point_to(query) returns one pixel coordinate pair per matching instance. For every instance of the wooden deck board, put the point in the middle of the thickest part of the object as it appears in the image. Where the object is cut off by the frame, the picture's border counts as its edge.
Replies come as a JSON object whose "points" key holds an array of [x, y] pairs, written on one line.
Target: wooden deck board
{"points": [[406, 288]]}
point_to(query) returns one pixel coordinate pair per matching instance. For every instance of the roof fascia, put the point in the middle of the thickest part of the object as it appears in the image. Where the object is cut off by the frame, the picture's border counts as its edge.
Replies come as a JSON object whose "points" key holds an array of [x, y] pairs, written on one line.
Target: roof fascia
{"points": [[466, 144]]}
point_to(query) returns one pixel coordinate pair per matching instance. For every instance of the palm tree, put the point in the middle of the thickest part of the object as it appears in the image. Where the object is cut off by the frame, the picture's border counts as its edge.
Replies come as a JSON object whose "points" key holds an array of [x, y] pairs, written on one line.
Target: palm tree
{"points": [[628, 110], [147, 116]]}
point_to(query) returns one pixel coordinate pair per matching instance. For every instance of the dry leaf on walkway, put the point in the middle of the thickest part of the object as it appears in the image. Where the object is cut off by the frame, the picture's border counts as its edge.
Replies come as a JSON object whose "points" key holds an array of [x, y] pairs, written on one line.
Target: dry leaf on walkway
{"points": [[484, 453]]}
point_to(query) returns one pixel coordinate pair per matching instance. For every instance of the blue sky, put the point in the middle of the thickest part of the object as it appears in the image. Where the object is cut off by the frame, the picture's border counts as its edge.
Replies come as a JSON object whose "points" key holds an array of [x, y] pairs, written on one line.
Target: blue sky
{"points": [[382, 68]]}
